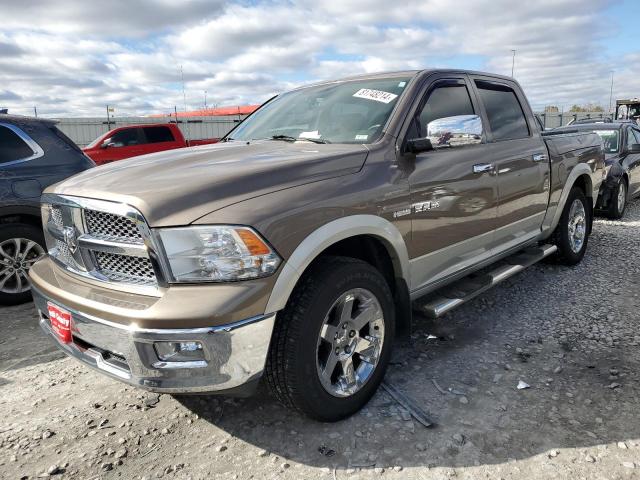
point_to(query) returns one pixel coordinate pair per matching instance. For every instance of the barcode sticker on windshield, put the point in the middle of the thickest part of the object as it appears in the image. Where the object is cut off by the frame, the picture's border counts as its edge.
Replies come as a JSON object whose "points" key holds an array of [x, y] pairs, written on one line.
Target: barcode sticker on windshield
{"points": [[377, 95]]}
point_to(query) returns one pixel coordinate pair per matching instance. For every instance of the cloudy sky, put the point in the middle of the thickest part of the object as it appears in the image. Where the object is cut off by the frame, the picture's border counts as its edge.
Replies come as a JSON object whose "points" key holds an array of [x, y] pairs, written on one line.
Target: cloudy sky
{"points": [[73, 57]]}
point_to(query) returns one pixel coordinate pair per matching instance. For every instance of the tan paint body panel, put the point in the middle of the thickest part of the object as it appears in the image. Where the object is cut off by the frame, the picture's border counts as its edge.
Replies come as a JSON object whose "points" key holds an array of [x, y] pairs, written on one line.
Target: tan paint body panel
{"points": [[178, 186], [181, 306]]}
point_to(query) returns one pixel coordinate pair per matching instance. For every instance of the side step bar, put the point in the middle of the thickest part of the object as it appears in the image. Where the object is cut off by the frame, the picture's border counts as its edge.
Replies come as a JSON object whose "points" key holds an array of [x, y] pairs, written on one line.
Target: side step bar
{"points": [[447, 298]]}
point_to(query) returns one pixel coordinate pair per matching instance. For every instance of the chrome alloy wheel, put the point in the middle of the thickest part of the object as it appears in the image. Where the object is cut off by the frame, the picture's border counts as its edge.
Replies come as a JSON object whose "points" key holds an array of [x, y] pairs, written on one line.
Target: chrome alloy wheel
{"points": [[622, 196], [17, 255], [350, 342], [577, 225]]}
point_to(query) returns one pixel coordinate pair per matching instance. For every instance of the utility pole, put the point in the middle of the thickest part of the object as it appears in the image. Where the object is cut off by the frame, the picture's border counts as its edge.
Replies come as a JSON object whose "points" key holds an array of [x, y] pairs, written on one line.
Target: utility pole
{"points": [[35, 111], [108, 119], [205, 99], [184, 99], [611, 96], [513, 61]]}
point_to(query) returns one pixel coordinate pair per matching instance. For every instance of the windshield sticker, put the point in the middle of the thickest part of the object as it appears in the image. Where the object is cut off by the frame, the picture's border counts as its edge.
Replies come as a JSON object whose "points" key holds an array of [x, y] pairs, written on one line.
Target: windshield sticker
{"points": [[313, 134], [362, 137], [376, 95], [402, 84]]}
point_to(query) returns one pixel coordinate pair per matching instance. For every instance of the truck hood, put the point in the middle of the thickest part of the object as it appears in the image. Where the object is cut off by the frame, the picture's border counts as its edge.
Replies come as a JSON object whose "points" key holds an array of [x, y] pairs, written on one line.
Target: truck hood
{"points": [[177, 187]]}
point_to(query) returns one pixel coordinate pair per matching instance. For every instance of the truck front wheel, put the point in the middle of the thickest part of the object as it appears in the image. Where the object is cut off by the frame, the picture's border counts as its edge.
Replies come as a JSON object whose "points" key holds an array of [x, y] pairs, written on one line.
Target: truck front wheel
{"points": [[332, 343], [572, 233]]}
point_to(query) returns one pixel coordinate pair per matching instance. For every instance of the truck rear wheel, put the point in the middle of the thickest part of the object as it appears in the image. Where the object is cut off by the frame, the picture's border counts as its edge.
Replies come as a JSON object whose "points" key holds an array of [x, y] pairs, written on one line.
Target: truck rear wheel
{"points": [[331, 344], [572, 233]]}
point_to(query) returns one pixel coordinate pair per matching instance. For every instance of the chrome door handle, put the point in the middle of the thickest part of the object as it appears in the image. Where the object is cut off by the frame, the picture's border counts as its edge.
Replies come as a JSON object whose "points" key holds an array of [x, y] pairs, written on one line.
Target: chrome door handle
{"points": [[483, 167], [539, 157]]}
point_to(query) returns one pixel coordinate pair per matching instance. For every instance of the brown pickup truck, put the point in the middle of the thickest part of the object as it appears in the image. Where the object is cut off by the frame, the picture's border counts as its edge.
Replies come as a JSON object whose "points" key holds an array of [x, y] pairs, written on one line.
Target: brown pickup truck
{"points": [[292, 250]]}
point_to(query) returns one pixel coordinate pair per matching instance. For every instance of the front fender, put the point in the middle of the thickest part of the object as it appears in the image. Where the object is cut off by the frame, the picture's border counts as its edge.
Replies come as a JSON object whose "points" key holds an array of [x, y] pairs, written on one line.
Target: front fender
{"points": [[322, 238]]}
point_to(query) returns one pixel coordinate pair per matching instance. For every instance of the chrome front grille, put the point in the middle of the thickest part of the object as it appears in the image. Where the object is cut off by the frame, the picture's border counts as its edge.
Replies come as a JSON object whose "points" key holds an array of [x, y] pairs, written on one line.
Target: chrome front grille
{"points": [[108, 225], [103, 241], [125, 268]]}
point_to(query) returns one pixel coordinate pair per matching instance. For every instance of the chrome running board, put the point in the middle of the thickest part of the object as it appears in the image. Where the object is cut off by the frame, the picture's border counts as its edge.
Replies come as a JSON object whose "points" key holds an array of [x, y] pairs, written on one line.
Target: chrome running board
{"points": [[447, 298]]}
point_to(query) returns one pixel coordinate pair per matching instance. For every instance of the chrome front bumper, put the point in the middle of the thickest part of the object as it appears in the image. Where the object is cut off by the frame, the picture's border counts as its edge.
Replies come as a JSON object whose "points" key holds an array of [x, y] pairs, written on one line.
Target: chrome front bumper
{"points": [[234, 354]]}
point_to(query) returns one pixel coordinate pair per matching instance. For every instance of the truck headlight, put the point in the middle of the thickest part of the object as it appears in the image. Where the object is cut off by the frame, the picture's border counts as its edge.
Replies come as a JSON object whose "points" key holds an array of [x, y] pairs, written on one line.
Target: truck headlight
{"points": [[217, 254]]}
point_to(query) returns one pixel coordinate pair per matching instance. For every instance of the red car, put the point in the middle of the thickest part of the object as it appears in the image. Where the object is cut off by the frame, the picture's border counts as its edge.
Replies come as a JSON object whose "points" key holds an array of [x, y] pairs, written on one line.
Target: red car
{"points": [[134, 140]]}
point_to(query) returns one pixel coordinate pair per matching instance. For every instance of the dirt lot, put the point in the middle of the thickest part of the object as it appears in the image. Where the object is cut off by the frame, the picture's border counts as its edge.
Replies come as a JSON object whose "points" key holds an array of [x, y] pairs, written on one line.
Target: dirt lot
{"points": [[571, 334]]}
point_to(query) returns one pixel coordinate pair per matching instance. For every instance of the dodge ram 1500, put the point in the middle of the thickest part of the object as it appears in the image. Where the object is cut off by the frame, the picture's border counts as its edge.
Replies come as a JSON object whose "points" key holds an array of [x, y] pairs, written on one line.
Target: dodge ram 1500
{"points": [[292, 249]]}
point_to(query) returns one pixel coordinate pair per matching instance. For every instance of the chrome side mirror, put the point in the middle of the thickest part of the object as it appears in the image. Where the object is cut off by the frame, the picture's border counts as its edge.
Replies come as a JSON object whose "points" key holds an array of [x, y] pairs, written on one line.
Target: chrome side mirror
{"points": [[453, 132]]}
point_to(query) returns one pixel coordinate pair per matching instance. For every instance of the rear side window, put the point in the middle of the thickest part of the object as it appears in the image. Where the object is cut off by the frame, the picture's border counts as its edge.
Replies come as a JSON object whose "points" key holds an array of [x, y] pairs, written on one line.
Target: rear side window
{"points": [[12, 147], [504, 112], [158, 134], [126, 138], [445, 101]]}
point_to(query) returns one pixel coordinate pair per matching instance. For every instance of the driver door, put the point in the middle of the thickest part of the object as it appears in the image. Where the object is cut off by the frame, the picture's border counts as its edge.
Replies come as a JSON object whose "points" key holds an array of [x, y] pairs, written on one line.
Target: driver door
{"points": [[453, 188], [125, 143]]}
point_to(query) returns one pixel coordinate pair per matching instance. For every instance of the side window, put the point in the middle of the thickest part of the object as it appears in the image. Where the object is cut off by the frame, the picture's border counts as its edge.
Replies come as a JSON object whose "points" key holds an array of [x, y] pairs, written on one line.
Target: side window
{"points": [[158, 134], [631, 138], [504, 112], [126, 138], [12, 147], [637, 135], [445, 101]]}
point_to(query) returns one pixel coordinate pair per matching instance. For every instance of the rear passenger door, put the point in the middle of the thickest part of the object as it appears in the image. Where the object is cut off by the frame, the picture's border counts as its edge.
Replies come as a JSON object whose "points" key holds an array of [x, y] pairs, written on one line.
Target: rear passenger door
{"points": [[453, 194], [520, 159]]}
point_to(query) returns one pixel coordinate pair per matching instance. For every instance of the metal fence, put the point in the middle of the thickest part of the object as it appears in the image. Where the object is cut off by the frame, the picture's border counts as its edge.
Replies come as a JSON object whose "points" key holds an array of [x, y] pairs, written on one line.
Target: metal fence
{"points": [[85, 130], [557, 119]]}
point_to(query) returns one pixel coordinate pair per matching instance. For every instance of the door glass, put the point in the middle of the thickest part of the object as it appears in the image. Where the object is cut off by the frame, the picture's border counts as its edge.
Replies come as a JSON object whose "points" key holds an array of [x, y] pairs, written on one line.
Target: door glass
{"points": [[12, 147], [449, 101], [504, 112], [610, 140], [631, 139], [125, 138], [158, 134]]}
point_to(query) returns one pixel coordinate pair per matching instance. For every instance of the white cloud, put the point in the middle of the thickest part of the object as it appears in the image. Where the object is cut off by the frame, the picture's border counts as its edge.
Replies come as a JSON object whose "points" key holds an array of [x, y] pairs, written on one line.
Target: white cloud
{"points": [[73, 57]]}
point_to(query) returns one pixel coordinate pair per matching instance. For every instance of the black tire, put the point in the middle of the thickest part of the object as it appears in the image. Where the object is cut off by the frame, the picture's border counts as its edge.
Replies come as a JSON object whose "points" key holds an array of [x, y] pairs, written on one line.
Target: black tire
{"points": [[614, 211], [566, 254], [8, 232], [291, 370]]}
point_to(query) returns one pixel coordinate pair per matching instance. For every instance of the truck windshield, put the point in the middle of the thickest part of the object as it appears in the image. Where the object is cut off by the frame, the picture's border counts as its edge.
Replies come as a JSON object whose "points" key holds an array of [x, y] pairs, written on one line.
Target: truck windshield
{"points": [[342, 112], [610, 140]]}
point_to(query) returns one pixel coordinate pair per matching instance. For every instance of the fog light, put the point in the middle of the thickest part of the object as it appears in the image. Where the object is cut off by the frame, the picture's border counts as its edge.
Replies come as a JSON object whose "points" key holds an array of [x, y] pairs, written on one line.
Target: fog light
{"points": [[179, 351]]}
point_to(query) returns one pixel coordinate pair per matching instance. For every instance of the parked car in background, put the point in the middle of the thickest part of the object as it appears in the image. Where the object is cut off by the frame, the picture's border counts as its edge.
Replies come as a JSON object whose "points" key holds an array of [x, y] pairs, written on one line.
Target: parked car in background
{"points": [[33, 155], [621, 142], [294, 248], [134, 140]]}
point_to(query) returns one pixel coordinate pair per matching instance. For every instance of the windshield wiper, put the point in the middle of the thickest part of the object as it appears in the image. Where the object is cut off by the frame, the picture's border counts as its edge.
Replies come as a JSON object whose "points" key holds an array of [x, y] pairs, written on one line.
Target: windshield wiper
{"points": [[288, 138]]}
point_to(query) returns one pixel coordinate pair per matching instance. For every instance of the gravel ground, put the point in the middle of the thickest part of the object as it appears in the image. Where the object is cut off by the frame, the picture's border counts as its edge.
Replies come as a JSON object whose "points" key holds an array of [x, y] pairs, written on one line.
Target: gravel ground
{"points": [[571, 334]]}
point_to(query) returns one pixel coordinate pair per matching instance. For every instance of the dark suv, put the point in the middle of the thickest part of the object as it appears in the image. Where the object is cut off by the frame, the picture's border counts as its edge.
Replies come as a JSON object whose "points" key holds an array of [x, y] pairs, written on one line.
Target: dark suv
{"points": [[33, 155], [621, 143]]}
